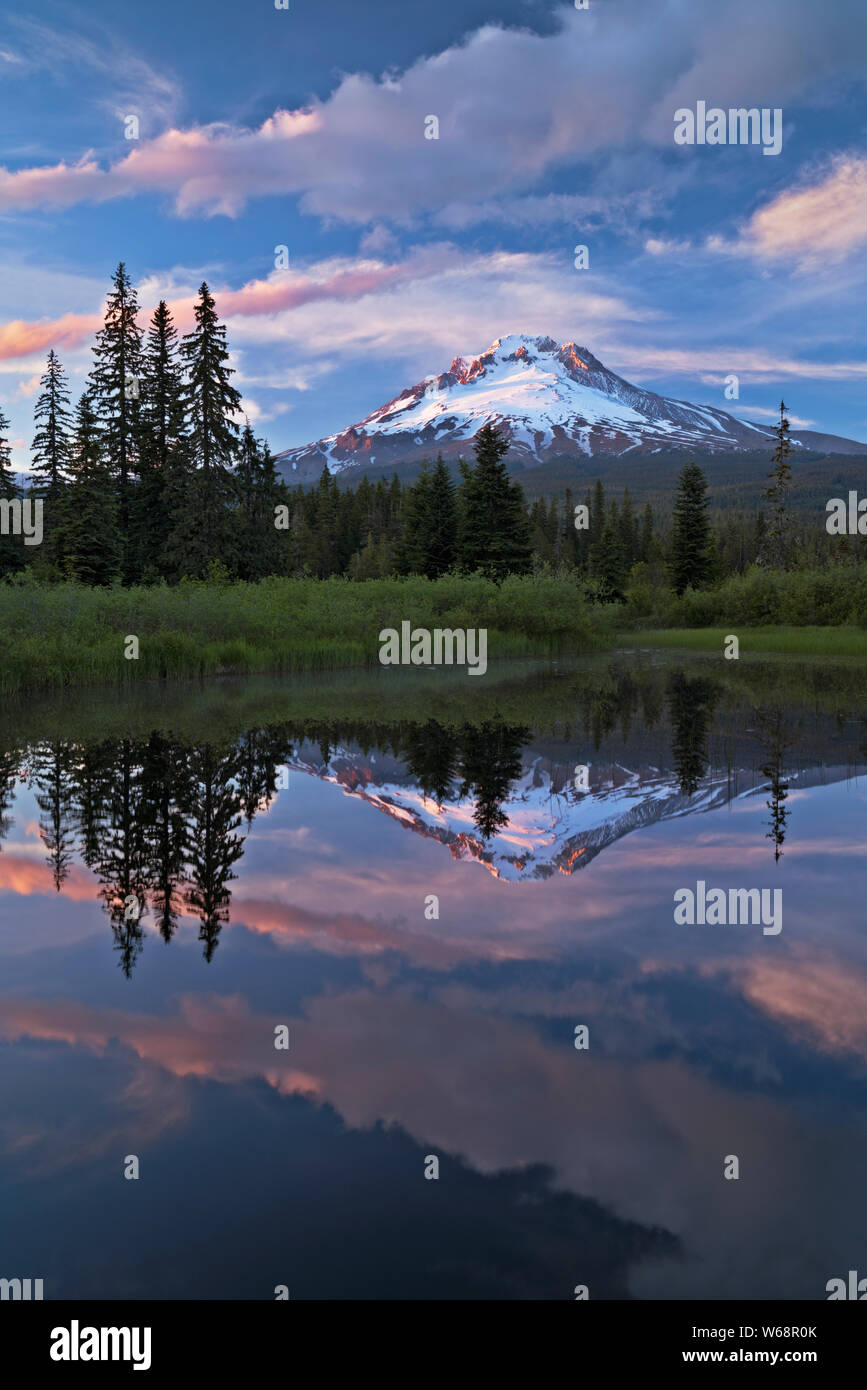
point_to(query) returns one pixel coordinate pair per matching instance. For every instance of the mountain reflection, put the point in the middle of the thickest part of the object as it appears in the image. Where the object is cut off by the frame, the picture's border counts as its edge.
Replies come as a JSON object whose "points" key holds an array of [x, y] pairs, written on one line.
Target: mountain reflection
{"points": [[161, 821]]}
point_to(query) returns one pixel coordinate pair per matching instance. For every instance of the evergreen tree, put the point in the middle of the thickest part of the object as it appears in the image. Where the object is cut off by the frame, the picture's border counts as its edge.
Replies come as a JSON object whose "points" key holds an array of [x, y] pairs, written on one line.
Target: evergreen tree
{"points": [[431, 754], [163, 465], [121, 863], [52, 772], [690, 703], [213, 847], [211, 400], [777, 539], [10, 763], [584, 538], [490, 763], [201, 525], [93, 544], [163, 390], [609, 563], [494, 535], [540, 541], [441, 549], [258, 494], [165, 798], [50, 447], [690, 559], [411, 555], [116, 382]]}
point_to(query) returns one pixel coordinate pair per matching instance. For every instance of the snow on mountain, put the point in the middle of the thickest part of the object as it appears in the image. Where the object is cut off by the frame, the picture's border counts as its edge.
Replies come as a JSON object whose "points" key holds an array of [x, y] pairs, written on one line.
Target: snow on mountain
{"points": [[552, 400], [548, 831]]}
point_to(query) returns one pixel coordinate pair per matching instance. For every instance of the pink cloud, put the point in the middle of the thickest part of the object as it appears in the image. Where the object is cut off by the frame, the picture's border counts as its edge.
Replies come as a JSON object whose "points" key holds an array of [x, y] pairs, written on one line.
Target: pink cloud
{"points": [[825, 220], [20, 338], [283, 291], [821, 221], [30, 386], [361, 154]]}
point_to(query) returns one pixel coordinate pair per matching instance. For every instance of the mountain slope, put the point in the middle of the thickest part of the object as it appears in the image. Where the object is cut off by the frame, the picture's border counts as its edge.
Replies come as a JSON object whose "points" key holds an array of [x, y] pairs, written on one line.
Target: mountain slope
{"points": [[553, 401], [551, 827]]}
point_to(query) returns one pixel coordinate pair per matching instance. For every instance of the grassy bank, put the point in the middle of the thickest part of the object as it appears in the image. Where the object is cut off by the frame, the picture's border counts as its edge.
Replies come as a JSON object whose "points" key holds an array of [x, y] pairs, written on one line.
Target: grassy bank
{"points": [[760, 598], [795, 641], [581, 699], [64, 635], [56, 635]]}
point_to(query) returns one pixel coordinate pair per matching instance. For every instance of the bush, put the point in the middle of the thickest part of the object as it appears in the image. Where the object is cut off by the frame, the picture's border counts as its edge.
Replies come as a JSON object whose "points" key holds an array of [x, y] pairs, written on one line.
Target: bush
{"points": [[759, 598]]}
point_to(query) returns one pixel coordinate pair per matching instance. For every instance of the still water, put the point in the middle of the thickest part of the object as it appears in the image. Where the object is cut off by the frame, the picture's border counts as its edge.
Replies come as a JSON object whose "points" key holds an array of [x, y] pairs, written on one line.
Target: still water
{"points": [[432, 888]]}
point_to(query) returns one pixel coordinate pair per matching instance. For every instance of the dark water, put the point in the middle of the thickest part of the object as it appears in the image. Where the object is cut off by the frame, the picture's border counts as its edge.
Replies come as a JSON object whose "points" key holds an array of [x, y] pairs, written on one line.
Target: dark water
{"points": [[287, 843]]}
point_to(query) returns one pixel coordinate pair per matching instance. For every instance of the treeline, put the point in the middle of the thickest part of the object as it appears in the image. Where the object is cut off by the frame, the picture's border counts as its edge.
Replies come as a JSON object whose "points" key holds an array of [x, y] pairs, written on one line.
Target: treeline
{"points": [[152, 478]]}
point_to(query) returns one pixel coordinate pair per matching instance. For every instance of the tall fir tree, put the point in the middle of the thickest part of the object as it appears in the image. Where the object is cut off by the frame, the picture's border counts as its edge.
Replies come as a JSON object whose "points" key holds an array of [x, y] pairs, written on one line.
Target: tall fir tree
{"points": [[52, 773], [411, 554], [211, 400], [201, 534], [50, 448], [116, 384], [609, 561], [690, 558], [777, 541], [50, 458], [258, 493], [162, 389], [163, 464], [441, 547], [494, 534]]}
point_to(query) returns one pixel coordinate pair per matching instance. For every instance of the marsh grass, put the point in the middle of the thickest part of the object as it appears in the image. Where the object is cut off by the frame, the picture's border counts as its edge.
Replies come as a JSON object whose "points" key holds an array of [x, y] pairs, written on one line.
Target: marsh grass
{"points": [[56, 635]]}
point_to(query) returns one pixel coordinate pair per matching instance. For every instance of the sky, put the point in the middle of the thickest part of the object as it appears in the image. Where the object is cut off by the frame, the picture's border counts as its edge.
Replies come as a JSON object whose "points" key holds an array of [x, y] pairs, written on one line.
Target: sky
{"points": [[457, 1032], [305, 128]]}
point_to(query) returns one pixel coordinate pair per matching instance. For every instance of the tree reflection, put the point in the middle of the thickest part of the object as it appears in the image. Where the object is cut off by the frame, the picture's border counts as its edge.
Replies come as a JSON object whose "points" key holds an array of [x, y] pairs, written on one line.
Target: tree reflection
{"points": [[776, 739], [691, 702]]}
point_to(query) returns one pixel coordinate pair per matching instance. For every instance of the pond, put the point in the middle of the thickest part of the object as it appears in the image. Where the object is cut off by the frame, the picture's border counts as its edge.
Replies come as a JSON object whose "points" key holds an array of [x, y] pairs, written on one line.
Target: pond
{"points": [[380, 986]]}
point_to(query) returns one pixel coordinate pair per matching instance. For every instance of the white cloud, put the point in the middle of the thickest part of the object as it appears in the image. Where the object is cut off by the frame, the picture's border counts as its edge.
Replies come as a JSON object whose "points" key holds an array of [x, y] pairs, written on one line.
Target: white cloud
{"points": [[818, 223], [511, 104]]}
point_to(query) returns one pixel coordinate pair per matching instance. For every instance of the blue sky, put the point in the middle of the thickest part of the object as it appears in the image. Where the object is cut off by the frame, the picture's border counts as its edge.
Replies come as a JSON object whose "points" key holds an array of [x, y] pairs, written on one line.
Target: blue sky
{"points": [[305, 127]]}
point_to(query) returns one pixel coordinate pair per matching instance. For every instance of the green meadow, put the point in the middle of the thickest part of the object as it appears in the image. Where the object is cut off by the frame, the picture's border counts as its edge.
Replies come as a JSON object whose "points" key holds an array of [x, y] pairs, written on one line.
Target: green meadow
{"points": [[55, 635]]}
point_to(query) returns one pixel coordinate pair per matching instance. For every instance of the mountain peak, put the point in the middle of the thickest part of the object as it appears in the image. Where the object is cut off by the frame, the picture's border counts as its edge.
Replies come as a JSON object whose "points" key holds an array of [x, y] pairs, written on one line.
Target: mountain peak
{"points": [[553, 400]]}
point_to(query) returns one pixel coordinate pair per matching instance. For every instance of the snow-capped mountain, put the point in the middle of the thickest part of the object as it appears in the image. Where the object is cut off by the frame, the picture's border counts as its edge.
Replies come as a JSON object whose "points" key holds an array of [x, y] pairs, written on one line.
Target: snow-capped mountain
{"points": [[553, 400], [551, 826]]}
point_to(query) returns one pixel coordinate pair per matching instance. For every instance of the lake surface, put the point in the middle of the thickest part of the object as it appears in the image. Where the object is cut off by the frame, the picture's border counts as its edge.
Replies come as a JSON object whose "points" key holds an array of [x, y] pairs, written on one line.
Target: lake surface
{"points": [[432, 887]]}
